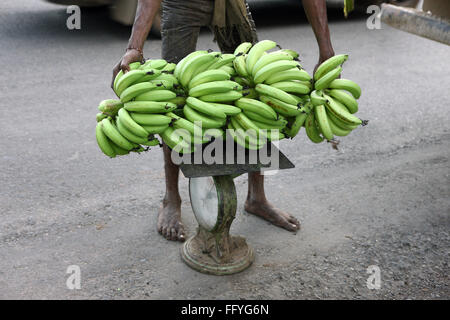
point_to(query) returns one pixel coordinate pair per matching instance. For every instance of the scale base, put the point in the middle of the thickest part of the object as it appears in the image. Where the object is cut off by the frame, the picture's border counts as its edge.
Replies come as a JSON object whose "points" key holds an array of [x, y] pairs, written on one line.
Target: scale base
{"points": [[206, 253]]}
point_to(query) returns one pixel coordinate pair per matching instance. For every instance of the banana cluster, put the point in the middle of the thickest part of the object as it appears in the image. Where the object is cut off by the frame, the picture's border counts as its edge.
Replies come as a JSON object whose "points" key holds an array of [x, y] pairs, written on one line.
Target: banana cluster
{"points": [[147, 93], [333, 102], [260, 94]]}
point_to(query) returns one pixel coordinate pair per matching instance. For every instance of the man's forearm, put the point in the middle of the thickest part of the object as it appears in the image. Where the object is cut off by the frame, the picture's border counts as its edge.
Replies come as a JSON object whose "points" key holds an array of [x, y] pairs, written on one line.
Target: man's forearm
{"points": [[316, 11], [145, 13]]}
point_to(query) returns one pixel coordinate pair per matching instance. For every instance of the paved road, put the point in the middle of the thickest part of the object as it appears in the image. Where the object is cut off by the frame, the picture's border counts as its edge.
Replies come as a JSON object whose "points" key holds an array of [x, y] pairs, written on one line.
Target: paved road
{"points": [[382, 199]]}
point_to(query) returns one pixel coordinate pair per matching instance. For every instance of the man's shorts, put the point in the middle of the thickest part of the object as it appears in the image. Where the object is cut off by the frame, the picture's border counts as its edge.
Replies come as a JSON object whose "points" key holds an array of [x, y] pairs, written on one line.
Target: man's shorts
{"points": [[180, 26]]}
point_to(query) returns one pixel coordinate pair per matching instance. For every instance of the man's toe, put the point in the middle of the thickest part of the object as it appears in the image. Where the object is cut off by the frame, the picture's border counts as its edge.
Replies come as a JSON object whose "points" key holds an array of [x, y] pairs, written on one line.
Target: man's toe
{"points": [[294, 221], [173, 234]]}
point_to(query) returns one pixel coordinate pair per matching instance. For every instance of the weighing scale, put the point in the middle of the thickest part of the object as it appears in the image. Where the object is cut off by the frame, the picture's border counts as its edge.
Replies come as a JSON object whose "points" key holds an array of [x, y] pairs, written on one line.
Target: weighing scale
{"points": [[213, 199]]}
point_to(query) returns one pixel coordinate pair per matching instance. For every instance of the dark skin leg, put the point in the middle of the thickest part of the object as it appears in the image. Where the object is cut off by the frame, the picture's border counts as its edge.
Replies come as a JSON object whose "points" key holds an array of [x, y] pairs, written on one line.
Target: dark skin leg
{"points": [[258, 205], [169, 215]]}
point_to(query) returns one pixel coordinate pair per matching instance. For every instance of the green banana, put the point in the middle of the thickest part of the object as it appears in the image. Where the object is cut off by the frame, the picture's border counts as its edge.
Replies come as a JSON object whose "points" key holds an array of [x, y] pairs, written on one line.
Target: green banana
{"points": [[240, 66], [269, 59], [228, 69], [128, 134], [280, 122], [110, 106], [157, 63], [263, 125], [320, 115], [153, 143], [257, 51], [100, 116], [337, 130], [327, 78], [179, 101], [317, 98], [191, 66], [340, 111], [114, 135], [216, 56], [128, 79], [156, 95], [243, 48], [168, 77], [149, 106], [131, 125], [292, 74], [181, 123], [136, 90], [206, 120], [118, 150], [250, 93], [274, 135], [131, 66], [294, 54], [205, 107], [291, 87], [311, 129], [281, 107], [150, 119], [231, 95], [175, 142], [329, 64], [229, 110], [169, 68], [270, 91], [162, 84], [103, 142], [248, 125], [256, 106], [274, 68], [150, 74], [347, 85], [155, 129], [295, 127], [245, 82], [340, 123], [209, 76], [346, 99], [181, 64], [247, 135], [214, 87], [223, 60]]}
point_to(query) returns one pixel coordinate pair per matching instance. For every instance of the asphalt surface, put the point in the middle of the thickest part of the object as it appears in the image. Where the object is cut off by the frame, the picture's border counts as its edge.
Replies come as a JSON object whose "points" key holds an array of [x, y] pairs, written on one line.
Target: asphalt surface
{"points": [[382, 199]]}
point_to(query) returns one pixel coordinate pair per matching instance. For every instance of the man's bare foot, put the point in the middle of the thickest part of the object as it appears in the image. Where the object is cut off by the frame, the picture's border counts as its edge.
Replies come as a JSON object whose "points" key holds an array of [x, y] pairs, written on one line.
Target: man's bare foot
{"points": [[169, 221], [268, 212]]}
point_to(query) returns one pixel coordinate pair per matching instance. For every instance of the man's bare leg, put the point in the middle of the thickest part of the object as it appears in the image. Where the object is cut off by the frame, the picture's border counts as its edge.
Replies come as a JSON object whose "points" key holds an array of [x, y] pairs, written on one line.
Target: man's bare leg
{"points": [[169, 216], [258, 205]]}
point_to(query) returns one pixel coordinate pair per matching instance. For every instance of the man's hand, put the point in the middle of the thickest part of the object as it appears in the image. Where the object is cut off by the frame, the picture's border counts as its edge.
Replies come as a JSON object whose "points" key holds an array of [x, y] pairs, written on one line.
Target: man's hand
{"points": [[130, 56], [324, 56]]}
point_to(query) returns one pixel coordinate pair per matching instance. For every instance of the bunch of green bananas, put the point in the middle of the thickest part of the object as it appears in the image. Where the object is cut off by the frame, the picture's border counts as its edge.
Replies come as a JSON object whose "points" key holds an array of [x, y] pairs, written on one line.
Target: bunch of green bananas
{"points": [[276, 90], [147, 92], [333, 102], [262, 96]]}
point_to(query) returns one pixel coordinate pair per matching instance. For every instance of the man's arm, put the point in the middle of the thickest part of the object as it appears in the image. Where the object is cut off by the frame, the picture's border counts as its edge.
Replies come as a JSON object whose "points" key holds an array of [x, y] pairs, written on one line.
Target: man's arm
{"points": [[145, 13], [316, 11]]}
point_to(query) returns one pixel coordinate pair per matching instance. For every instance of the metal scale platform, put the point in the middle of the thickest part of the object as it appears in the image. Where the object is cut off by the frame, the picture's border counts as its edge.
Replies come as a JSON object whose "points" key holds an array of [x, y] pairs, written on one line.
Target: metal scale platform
{"points": [[213, 199]]}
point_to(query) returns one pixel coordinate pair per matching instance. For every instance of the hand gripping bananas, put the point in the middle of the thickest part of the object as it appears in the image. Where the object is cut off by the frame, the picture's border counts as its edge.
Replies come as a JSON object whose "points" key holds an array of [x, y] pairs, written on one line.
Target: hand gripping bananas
{"points": [[261, 92]]}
